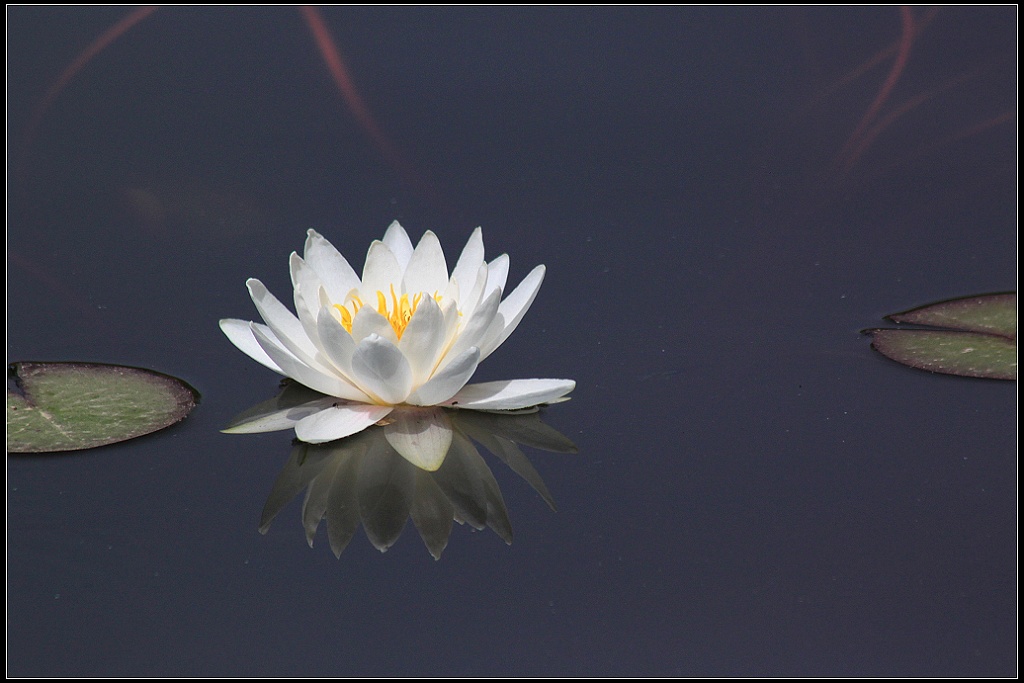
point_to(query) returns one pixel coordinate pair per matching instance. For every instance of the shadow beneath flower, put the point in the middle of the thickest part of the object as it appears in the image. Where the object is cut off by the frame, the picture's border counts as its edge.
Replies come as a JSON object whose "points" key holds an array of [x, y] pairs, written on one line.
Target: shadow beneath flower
{"points": [[370, 478]]}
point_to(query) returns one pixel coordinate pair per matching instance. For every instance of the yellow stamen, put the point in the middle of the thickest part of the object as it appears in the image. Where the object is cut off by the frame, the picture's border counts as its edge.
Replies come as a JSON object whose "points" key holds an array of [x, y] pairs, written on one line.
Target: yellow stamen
{"points": [[347, 315], [398, 313]]}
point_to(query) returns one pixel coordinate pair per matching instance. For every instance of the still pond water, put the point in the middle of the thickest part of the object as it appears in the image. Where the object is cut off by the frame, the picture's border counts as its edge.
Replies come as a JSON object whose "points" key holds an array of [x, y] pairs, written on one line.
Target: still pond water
{"points": [[723, 198]]}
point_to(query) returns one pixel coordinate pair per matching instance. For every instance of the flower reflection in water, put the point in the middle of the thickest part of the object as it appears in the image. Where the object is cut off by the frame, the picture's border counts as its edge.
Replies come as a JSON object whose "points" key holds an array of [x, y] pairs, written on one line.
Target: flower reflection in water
{"points": [[363, 479]]}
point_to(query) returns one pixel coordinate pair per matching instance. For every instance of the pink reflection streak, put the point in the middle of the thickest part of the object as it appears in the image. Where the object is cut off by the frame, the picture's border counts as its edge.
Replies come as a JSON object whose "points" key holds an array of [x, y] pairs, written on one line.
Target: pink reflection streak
{"points": [[857, 143], [325, 44], [872, 123], [79, 63], [328, 51]]}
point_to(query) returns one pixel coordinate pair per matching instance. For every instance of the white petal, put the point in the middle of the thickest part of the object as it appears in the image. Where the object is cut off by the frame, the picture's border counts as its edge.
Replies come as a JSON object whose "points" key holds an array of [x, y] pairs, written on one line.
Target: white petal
{"points": [[469, 262], [473, 329], [452, 318], [427, 270], [381, 370], [423, 340], [286, 418], [286, 326], [511, 394], [494, 332], [399, 243], [337, 343], [334, 270], [329, 384], [451, 291], [307, 288], [497, 273], [380, 272], [368, 321], [422, 437], [471, 299], [339, 421], [240, 334], [515, 306], [447, 382]]}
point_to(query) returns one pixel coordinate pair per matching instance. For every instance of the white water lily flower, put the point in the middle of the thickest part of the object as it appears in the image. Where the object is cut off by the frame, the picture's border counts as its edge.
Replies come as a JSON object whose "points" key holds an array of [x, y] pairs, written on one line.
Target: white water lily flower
{"points": [[407, 333]]}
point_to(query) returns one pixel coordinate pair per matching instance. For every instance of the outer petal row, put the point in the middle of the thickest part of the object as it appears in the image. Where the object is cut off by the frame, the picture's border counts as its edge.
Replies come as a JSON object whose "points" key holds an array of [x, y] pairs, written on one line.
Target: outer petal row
{"points": [[286, 327], [330, 384], [515, 306], [239, 333], [511, 394], [284, 418]]}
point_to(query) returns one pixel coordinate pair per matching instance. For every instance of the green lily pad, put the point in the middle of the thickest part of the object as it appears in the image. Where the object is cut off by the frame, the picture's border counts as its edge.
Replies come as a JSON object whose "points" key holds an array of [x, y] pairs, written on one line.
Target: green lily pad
{"points": [[988, 314], [980, 339], [73, 406]]}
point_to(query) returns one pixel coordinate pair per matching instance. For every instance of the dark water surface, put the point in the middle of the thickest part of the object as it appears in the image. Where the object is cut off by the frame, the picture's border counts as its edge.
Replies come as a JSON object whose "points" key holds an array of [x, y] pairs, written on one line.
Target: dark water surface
{"points": [[723, 199]]}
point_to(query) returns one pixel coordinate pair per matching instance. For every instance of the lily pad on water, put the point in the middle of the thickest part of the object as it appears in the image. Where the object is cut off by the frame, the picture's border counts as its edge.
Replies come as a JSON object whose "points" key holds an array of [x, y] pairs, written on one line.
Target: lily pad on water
{"points": [[979, 339], [73, 406]]}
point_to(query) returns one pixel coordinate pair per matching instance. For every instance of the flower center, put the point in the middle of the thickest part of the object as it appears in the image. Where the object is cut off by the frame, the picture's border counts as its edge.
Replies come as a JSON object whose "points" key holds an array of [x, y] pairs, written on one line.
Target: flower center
{"points": [[398, 311]]}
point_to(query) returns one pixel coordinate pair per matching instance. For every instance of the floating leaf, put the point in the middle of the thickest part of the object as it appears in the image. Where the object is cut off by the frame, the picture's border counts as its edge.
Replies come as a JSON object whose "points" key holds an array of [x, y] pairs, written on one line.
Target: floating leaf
{"points": [[980, 339], [72, 406], [967, 354], [989, 314]]}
